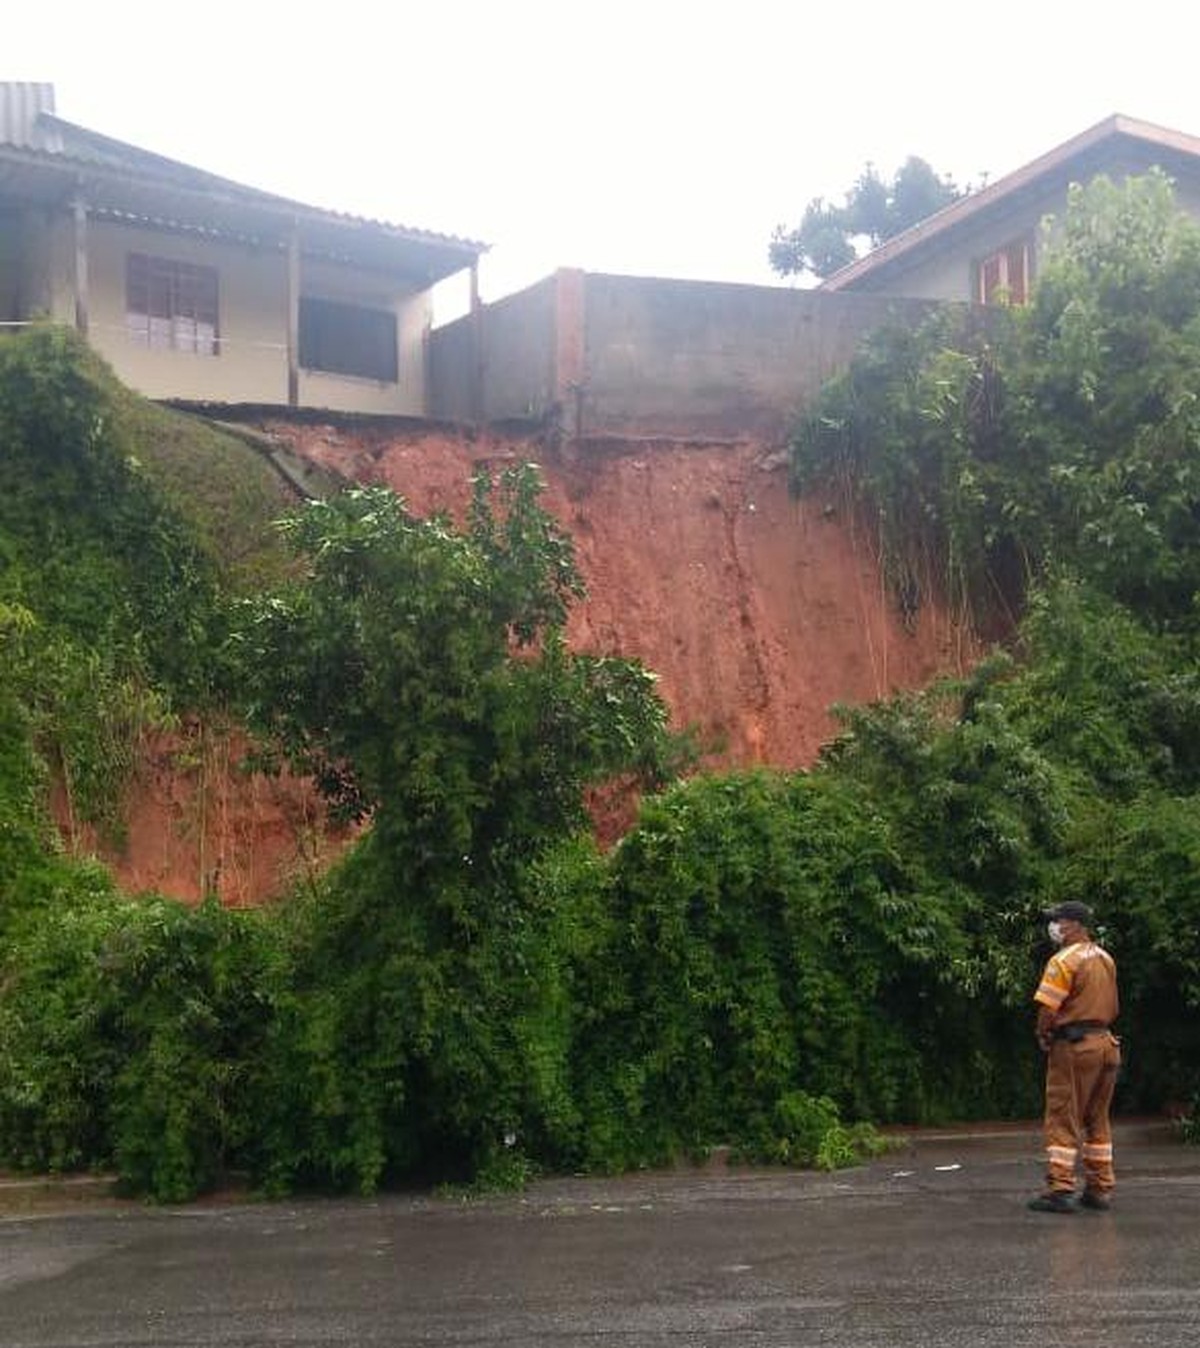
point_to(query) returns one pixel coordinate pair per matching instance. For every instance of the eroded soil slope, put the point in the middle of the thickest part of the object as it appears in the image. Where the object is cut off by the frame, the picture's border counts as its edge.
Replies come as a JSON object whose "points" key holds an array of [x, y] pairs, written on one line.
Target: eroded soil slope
{"points": [[758, 612]]}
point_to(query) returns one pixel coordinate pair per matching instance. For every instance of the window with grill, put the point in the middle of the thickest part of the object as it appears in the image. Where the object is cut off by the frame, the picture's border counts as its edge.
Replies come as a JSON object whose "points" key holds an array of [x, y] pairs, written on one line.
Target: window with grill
{"points": [[341, 338], [1005, 276], [171, 305]]}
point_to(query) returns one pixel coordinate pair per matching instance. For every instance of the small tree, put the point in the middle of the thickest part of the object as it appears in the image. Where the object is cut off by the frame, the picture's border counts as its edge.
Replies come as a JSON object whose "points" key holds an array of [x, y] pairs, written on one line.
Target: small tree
{"points": [[420, 674], [830, 237]]}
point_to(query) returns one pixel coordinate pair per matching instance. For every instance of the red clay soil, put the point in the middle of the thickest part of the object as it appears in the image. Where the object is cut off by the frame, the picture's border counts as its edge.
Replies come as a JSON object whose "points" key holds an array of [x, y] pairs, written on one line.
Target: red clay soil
{"points": [[196, 823], [758, 612]]}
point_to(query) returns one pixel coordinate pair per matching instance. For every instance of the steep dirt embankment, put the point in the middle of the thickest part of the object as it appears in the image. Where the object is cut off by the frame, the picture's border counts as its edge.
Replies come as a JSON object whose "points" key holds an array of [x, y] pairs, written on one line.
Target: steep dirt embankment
{"points": [[758, 612]]}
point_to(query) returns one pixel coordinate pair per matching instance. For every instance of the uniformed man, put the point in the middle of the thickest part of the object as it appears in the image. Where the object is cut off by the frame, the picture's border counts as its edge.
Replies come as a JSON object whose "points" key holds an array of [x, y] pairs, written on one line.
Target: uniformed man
{"points": [[1077, 1004]]}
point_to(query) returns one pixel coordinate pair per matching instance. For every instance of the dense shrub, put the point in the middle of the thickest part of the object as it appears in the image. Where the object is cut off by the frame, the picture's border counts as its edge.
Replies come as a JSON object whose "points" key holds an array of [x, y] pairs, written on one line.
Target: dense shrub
{"points": [[411, 1047], [133, 1033], [1140, 864], [1048, 459], [987, 448], [770, 937], [87, 542]]}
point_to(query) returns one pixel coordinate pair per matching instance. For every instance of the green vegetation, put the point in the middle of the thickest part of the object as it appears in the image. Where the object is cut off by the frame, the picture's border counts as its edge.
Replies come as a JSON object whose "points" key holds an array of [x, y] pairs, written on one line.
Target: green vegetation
{"points": [[1045, 461], [111, 595], [768, 961], [419, 673], [990, 448]]}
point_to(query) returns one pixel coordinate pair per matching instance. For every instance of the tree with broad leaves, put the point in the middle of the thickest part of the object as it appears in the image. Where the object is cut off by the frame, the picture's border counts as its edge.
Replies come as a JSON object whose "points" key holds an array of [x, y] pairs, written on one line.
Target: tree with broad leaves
{"points": [[418, 672]]}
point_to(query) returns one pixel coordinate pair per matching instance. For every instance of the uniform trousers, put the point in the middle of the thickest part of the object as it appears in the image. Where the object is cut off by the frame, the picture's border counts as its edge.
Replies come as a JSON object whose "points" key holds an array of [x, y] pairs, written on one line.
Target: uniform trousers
{"points": [[1080, 1079]]}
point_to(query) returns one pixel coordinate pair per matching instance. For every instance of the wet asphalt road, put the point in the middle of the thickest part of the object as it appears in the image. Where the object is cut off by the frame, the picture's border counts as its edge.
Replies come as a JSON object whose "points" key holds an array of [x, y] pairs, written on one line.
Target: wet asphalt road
{"points": [[900, 1252]]}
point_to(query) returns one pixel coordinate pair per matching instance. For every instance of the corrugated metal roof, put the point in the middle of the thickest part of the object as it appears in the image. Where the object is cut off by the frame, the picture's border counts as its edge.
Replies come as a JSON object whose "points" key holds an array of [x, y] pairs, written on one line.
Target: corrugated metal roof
{"points": [[46, 158], [86, 147], [21, 104]]}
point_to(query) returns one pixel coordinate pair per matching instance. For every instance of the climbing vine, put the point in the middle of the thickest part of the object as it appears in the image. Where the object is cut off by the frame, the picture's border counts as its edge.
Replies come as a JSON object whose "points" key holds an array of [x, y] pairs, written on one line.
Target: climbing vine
{"points": [[986, 447], [117, 604]]}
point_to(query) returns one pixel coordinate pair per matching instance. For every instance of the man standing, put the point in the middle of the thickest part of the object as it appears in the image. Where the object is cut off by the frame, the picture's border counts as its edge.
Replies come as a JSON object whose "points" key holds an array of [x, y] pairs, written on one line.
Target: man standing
{"points": [[1077, 1004]]}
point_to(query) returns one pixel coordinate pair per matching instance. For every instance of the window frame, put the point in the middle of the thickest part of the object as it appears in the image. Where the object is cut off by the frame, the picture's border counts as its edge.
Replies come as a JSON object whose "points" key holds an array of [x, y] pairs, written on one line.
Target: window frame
{"points": [[172, 304], [1001, 259], [349, 339]]}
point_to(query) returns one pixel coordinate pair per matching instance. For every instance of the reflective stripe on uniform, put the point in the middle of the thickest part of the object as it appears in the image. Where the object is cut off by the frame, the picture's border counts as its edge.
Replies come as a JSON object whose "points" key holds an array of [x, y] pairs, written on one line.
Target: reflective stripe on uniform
{"points": [[1062, 1155], [1050, 996], [1097, 1151], [1055, 985]]}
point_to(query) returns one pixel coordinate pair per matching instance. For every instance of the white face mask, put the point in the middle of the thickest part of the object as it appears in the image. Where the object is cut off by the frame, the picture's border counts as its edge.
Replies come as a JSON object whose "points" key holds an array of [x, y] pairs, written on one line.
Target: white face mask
{"points": [[1055, 932]]}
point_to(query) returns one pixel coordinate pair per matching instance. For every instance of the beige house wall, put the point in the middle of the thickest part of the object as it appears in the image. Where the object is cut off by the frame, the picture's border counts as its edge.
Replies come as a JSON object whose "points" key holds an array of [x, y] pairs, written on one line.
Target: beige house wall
{"points": [[252, 363]]}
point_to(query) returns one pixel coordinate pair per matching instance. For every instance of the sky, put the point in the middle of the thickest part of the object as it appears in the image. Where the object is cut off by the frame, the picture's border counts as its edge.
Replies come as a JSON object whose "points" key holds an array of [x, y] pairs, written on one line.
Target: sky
{"points": [[654, 138]]}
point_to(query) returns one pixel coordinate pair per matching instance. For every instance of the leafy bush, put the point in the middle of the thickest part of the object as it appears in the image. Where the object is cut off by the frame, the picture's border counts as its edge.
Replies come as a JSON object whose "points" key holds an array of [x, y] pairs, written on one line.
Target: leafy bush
{"points": [[89, 545], [116, 603], [767, 938], [1139, 862], [132, 1034]]}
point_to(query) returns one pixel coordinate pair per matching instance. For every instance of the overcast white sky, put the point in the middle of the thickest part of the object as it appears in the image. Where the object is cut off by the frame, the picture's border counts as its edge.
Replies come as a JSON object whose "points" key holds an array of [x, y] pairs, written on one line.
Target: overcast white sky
{"points": [[652, 137]]}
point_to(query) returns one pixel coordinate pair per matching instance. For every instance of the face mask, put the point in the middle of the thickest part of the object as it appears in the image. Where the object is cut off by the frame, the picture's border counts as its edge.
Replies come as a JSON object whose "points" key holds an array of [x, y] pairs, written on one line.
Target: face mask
{"points": [[1055, 932]]}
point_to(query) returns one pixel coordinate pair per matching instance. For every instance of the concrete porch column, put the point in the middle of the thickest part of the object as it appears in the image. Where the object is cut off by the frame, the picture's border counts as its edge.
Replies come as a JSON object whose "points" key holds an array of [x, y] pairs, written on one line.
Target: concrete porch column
{"points": [[293, 316], [79, 215]]}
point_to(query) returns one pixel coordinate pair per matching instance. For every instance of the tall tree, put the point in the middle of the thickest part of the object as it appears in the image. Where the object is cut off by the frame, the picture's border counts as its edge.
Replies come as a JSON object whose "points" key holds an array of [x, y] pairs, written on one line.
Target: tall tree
{"points": [[830, 236]]}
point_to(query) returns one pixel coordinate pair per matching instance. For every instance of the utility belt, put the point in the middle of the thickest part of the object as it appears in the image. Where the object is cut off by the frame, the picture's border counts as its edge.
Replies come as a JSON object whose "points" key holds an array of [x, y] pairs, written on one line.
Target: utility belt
{"points": [[1076, 1030]]}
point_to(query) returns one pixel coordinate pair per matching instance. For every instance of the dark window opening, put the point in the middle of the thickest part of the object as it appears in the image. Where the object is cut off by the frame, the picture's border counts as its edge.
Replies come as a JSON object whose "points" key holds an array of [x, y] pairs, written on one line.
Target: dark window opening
{"points": [[171, 305], [349, 339], [1005, 276]]}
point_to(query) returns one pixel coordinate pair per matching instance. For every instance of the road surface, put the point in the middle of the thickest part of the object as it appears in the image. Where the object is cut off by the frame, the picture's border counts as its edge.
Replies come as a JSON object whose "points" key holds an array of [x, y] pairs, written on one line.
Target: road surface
{"points": [[930, 1245]]}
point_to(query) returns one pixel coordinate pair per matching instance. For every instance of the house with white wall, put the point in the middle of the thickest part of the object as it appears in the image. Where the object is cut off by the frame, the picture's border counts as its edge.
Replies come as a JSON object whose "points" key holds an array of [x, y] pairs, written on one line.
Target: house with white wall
{"points": [[197, 288]]}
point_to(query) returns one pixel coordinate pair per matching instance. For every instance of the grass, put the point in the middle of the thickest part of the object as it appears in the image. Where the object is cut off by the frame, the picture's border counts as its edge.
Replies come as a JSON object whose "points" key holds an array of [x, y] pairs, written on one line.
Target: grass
{"points": [[225, 489]]}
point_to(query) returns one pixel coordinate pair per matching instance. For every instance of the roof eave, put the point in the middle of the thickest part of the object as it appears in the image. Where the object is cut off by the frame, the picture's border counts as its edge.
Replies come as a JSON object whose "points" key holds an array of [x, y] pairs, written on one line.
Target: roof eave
{"points": [[446, 253], [960, 213]]}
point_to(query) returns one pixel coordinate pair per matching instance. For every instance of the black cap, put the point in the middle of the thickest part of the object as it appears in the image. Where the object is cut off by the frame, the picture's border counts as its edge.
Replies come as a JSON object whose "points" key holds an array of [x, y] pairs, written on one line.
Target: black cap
{"points": [[1071, 911]]}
